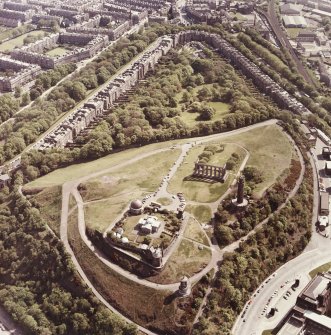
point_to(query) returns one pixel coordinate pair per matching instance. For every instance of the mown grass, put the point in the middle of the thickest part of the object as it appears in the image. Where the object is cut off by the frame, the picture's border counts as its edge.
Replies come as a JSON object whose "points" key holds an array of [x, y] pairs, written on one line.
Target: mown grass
{"points": [[17, 41], [75, 171], [198, 190], [193, 231], [201, 212], [323, 268]]}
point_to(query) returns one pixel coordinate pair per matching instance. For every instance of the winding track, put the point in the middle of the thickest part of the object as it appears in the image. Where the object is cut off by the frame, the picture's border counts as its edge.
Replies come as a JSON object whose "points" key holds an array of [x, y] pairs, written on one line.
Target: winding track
{"points": [[217, 254]]}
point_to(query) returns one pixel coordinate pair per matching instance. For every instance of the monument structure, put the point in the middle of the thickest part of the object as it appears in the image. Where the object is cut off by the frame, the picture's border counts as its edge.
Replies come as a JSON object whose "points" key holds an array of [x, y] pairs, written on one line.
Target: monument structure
{"points": [[240, 202], [184, 287]]}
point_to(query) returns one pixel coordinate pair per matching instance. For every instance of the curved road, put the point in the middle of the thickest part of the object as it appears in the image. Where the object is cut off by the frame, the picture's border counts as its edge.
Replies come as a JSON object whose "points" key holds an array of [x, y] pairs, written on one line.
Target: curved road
{"points": [[217, 254], [316, 253]]}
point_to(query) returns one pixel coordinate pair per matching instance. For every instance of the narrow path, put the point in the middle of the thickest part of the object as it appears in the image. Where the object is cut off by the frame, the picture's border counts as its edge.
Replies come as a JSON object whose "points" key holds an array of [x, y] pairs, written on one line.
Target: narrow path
{"points": [[64, 238], [233, 246], [217, 254]]}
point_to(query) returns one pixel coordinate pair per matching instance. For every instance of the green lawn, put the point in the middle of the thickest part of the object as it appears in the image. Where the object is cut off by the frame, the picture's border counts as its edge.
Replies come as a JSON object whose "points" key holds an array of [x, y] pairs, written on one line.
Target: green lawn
{"points": [[134, 180], [191, 119], [293, 32], [323, 268], [197, 190], [59, 51], [75, 171], [187, 260], [267, 332], [6, 32], [221, 109], [270, 152], [194, 232], [201, 212], [99, 215], [18, 41], [124, 185]]}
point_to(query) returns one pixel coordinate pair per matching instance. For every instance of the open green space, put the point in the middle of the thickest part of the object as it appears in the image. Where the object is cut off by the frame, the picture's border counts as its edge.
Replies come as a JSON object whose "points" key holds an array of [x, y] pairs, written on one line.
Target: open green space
{"points": [[165, 201], [18, 41], [6, 32], [193, 231], [49, 202], [323, 268], [221, 109], [133, 180], [270, 152], [58, 51], [75, 171], [267, 332], [191, 119], [143, 305], [187, 260], [293, 32], [201, 212], [100, 214], [198, 190], [124, 185]]}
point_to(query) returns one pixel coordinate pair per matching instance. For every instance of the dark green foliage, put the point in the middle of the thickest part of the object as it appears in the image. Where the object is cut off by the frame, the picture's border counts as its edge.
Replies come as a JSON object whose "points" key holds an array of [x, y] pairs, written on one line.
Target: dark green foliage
{"points": [[38, 284]]}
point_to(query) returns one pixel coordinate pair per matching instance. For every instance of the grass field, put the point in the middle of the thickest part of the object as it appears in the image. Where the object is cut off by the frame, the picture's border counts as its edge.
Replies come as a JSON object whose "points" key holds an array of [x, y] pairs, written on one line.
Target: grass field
{"points": [[60, 176], [59, 51], [201, 212], [134, 180], [196, 190], [323, 268], [293, 32], [194, 232], [50, 202], [270, 152], [165, 201], [143, 305], [99, 215], [221, 109], [17, 41], [191, 119], [186, 260], [6, 32], [121, 187], [267, 332]]}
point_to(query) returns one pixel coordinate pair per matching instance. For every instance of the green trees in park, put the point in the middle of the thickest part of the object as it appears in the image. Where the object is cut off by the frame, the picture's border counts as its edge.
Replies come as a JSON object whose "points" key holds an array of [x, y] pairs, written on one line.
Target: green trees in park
{"points": [[39, 286], [8, 107], [39, 117], [154, 112], [240, 273]]}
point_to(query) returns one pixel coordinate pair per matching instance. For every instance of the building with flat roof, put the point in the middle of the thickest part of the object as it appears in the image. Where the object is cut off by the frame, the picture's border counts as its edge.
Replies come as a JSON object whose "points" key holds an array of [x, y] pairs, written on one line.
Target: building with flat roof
{"points": [[311, 313], [294, 21]]}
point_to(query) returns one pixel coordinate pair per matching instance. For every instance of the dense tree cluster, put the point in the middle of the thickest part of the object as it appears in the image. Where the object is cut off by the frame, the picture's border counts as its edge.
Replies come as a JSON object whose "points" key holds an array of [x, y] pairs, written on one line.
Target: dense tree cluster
{"points": [[154, 114], [50, 78], [35, 120], [39, 286], [285, 236], [8, 107]]}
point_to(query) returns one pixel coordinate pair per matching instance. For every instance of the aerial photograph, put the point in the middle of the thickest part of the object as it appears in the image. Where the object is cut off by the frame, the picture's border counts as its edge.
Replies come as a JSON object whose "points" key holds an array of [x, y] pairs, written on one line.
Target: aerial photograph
{"points": [[165, 167]]}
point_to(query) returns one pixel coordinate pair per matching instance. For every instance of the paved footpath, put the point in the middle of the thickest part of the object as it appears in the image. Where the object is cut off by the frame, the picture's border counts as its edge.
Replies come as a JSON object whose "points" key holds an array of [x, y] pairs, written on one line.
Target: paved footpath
{"points": [[71, 188]]}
